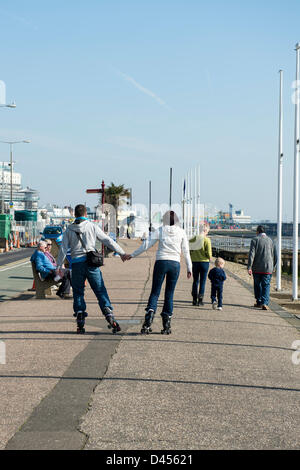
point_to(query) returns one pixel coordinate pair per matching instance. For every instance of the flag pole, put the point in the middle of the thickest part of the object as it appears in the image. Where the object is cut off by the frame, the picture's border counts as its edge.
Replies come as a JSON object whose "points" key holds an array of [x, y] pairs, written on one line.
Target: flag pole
{"points": [[279, 202], [296, 182]]}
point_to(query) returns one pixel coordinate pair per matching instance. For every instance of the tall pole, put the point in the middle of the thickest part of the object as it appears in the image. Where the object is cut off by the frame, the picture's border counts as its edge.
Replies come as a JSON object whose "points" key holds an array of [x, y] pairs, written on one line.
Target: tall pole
{"points": [[195, 202], [2, 195], [150, 220], [188, 204], [183, 201], [170, 198], [296, 182], [11, 174], [279, 202], [199, 201], [102, 201]]}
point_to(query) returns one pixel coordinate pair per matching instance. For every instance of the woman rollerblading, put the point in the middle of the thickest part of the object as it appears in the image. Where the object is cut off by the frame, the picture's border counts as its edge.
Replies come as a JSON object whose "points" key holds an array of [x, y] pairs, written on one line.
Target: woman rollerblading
{"points": [[148, 322], [172, 241], [166, 320]]}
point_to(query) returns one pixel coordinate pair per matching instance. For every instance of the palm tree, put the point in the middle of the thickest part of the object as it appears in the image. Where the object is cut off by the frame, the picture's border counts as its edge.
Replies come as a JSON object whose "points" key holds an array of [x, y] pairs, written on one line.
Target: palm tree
{"points": [[114, 195]]}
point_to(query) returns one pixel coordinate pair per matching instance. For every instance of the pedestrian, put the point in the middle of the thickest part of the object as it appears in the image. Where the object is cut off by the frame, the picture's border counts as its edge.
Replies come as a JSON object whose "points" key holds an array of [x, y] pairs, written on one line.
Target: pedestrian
{"points": [[217, 277], [262, 262], [172, 241], [201, 254], [80, 237]]}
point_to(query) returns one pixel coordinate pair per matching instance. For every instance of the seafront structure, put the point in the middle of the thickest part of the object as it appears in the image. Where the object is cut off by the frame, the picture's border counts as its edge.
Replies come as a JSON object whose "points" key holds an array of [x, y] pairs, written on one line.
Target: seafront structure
{"points": [[22, 198]]}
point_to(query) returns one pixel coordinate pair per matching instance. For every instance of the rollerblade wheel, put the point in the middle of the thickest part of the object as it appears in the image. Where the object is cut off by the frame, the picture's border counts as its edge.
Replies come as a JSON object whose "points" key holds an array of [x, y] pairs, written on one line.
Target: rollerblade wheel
{"points": [[116, 328]]}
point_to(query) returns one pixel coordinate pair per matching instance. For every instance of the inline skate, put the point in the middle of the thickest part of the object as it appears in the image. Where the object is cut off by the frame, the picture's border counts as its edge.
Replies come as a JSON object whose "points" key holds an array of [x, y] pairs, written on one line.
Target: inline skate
{"points": [[148, 322], [80, 318], [112, 323], [166, 320]]}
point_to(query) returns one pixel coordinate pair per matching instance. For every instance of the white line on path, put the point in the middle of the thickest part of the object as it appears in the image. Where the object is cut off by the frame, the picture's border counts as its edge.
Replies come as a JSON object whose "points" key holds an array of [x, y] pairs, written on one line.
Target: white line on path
{"points": [[15, 266]]}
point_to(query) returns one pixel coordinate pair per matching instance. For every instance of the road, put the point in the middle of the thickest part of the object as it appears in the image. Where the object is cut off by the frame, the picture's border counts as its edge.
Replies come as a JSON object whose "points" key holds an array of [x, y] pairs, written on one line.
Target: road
{"points": [[15, 273]]}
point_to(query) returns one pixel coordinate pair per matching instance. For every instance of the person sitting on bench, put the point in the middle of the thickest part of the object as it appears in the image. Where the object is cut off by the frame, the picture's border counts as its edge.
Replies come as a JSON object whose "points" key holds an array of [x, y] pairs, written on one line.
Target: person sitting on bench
{"points": [[47, 269]]}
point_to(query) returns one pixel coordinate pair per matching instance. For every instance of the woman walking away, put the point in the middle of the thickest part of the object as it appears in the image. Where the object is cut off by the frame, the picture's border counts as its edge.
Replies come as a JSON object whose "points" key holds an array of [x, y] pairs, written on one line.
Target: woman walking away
{"points": [[201, 253], [171, 241]]}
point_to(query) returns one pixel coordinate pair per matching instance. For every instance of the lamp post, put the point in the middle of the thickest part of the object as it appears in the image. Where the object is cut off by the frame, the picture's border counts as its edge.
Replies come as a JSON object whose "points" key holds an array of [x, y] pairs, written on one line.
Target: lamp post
{"points": [[11, 143], [11, 105]]}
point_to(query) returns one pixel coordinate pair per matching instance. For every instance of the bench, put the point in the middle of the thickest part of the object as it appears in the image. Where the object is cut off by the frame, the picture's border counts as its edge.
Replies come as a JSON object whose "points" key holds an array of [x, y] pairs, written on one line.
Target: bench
{"points": [[41, 287]]}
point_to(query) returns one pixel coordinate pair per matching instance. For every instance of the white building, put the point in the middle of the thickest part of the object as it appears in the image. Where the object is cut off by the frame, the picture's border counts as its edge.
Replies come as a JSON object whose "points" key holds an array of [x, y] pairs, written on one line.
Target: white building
{"points": [[23, 198], [239, 217]]}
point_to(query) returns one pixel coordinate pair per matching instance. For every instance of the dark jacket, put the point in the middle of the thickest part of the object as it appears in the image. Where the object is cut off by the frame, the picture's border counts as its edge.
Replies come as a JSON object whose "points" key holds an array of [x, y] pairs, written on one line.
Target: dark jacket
{"points": [[217, 276], [262, 255]]}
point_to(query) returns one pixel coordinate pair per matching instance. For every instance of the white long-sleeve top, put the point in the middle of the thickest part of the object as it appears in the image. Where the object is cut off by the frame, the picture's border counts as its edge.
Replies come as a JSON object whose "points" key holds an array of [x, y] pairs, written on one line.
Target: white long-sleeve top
{"points": [[172, 240]]}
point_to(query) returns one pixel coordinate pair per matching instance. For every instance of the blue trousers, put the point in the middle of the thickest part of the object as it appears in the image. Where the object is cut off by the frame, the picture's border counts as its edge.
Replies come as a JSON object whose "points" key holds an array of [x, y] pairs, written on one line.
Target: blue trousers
{"points": [[262, 288], [169, 270], [217, 292], [81, 272], [200, 270]]}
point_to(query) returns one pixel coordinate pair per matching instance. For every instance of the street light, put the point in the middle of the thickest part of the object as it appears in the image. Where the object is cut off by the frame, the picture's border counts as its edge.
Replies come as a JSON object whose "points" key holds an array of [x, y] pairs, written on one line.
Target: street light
{"points": [[11, 105], [11, 143]]}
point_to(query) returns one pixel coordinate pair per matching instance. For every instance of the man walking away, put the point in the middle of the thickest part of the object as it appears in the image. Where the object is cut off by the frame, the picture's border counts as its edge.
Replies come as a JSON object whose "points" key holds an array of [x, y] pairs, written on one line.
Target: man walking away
{"points": [[81, 238], [262, 262]]}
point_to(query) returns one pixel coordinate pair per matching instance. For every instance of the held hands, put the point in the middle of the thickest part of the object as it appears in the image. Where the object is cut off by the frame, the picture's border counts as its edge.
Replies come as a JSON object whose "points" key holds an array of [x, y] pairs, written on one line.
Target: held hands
{"points": [[125, 257]]}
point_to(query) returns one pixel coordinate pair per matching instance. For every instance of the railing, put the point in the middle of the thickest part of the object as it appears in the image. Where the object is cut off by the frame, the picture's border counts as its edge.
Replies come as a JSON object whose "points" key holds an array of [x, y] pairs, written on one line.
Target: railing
{"points": [[243, 244]]}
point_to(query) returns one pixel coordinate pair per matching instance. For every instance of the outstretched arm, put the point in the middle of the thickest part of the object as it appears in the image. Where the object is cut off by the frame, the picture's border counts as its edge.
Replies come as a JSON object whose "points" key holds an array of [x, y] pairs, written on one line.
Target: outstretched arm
{"points": [[109, 242], [148, 243]]}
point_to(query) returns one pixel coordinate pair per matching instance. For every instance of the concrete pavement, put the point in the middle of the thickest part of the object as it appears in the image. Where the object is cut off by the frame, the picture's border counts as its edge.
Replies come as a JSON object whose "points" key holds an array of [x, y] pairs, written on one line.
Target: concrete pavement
{"points": [[221, 380]]}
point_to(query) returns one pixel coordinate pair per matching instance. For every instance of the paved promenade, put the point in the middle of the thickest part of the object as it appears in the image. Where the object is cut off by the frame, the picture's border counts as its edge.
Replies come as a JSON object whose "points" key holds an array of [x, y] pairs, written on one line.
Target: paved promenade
{"points": [[221, 380]]}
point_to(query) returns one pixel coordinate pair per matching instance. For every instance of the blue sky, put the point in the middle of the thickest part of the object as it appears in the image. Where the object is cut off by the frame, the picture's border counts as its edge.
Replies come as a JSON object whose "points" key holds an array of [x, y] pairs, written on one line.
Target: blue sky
{"points": [[123, 90]]}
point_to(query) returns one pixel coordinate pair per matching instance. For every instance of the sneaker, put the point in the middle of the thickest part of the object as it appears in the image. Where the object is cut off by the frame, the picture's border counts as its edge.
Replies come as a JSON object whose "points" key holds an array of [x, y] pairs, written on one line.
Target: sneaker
{"points": [[265, 307], [59, 294], [219, 308], [214, 305], [257, 305]]}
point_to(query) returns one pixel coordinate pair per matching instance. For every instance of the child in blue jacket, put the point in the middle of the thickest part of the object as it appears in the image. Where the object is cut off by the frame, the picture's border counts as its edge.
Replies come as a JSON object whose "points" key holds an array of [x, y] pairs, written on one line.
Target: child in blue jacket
{"points": [[217, 277]]}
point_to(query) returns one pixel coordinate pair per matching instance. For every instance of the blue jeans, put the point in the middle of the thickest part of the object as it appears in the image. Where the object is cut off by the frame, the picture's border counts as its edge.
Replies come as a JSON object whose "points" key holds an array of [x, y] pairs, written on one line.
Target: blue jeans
{"points": [[262, 288], [81, 272], [200, 269], [162, 269], [217, 292]]}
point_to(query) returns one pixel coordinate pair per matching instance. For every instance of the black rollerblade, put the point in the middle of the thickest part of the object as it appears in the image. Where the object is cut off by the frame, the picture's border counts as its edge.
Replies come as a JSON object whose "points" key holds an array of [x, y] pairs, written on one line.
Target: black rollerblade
{"points": [[80, 317], [195, 301], [200, 300], [148, 322], [166, 319], [112, 323]]}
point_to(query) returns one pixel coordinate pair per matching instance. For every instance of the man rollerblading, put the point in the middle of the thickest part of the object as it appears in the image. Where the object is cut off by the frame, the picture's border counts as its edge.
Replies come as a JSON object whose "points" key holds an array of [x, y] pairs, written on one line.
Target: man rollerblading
{"points": [[80, 318], [112, 323], [80, 238]]}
